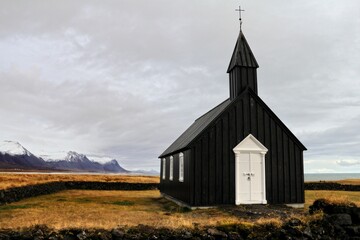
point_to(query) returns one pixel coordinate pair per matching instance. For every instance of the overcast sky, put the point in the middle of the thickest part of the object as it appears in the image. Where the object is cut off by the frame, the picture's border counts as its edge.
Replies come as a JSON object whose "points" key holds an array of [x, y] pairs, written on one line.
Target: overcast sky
{"points": [[125, 78]]}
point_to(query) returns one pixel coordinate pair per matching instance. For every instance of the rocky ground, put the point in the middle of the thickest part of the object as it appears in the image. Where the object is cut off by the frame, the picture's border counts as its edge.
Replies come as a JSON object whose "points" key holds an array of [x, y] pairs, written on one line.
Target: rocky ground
{"points": [[254, 212], [338, 221]]}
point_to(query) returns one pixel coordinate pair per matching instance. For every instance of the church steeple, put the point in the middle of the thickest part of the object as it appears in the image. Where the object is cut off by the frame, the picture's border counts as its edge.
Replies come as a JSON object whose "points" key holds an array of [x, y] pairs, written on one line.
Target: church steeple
{"points": [[242, 68]]}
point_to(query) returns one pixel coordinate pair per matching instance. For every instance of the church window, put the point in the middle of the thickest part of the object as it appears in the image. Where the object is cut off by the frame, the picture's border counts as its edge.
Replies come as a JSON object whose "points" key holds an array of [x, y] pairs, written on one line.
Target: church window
{"points": [[171, 168], [181, 167], [163, 168]]}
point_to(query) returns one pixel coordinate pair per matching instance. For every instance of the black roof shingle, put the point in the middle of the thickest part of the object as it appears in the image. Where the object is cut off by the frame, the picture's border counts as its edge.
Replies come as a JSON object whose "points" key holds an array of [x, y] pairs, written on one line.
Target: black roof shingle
{"points": [[196, 128]]}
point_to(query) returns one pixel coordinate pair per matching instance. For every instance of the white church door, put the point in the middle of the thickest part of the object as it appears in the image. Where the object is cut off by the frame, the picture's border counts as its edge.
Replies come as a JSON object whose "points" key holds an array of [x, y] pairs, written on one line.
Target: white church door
{"points": [[250, 172]]}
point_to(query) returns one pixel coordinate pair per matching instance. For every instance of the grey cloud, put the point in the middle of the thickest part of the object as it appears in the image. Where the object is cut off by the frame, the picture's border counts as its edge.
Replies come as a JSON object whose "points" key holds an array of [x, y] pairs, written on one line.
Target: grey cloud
{"points": [[125, 78], [348, 163]]}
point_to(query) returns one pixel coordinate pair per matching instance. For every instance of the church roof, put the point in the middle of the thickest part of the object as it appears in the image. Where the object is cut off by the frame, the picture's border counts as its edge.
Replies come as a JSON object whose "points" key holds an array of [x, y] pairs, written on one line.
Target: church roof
{"points": [[196, 128], [242, 55], [208, 118]]}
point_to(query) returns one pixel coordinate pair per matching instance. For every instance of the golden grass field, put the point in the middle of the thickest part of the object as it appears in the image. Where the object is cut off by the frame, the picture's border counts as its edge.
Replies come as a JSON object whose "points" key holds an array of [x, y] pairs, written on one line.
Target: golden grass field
{"points": [[102, 209], [110, 209], [333, 196], [349, 181], [10, 180]]}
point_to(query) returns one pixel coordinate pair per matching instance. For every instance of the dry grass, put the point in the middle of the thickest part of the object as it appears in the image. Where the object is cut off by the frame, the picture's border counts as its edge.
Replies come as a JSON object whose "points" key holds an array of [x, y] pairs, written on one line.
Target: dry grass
{"points": [[9, 180], [275, 222], [343, 197], [349, 181], [106, 209], [109, 209]]}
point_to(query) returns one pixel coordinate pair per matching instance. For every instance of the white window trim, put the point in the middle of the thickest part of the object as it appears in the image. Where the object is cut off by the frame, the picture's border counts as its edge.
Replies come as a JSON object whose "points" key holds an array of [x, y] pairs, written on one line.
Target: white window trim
{"points": [[181, 167], [171, 175], [163, 168]]}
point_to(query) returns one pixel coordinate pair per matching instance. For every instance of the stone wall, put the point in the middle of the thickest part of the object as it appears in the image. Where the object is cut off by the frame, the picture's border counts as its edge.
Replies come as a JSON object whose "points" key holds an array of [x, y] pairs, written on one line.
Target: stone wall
{"points": [[342, 220], [18, 193], [331, 186]]}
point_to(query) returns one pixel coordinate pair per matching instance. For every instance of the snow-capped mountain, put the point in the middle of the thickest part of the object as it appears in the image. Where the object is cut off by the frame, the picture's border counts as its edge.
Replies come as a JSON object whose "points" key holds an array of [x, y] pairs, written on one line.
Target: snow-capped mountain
{"points": [[13, 148], [76, 157], [113, 166], [74, 161], [53, 156], [14, 156]]}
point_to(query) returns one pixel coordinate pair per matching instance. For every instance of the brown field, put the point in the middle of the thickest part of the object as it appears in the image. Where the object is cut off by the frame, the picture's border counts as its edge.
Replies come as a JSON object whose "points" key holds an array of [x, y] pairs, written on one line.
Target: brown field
{"points": [[10, 180], [109, 209], [350, 181], [333, 196]]}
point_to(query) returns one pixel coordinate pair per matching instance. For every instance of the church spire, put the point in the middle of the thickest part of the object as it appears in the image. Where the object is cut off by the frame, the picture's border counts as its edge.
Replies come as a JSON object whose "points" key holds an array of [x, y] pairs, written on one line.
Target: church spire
{"points": [[242, 68], [242, 55]]}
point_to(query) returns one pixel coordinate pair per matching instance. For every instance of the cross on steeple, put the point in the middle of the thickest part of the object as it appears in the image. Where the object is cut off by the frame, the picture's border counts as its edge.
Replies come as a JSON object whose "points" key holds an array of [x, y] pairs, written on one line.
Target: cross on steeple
{"points": [[240, 10]]}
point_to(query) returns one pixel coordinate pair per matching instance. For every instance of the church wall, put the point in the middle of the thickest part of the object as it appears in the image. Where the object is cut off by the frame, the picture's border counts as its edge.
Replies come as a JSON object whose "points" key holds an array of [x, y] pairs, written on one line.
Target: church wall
{"points": [[175, 188], [214, 160], [284, 160]]}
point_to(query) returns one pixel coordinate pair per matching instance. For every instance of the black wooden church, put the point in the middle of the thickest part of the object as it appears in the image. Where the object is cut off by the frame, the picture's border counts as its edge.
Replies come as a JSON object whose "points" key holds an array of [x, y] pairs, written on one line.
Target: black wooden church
{"points": [[239, 152]]}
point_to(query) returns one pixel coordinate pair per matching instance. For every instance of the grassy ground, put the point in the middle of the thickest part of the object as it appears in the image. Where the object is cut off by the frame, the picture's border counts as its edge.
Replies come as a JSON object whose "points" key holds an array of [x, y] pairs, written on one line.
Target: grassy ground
{"points": [[105, 209], [9, 180], [350, 181], [334, 196], [109, 209]]}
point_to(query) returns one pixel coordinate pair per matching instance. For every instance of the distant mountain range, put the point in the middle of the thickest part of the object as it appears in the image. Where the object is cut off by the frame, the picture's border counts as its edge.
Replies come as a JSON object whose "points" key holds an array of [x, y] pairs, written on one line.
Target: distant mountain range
{"points": [[14, 156]]}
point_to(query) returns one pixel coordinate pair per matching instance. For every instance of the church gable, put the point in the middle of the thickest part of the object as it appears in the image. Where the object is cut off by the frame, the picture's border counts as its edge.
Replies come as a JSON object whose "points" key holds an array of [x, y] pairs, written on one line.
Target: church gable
{"points": [[249, 118], [250, 143], [275, 118]]}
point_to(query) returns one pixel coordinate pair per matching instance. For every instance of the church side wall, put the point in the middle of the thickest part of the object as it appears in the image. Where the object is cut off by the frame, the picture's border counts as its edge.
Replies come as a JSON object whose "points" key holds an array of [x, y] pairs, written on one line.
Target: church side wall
{"points": [[214, 166], [214, 159], [175, 188]]}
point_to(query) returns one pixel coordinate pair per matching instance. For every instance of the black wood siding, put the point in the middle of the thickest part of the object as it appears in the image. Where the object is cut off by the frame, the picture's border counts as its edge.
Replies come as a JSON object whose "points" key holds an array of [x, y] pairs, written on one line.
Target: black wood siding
{"points": [[213, 159], [175, 188], [240, 78]]}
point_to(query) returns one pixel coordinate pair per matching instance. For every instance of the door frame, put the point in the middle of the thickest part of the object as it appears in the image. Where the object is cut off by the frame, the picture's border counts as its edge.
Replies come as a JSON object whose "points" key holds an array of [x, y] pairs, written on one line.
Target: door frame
{"points": [[249, 145]]}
